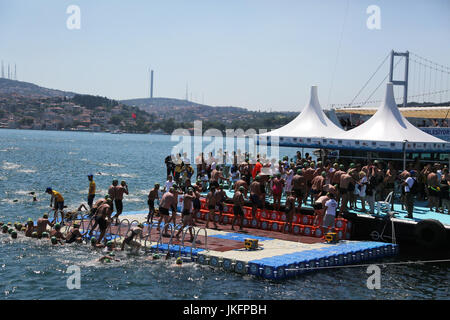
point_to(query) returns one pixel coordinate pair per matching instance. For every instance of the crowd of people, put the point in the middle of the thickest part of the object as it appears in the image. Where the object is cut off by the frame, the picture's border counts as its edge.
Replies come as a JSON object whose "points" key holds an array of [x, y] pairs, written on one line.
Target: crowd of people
{"points": [[331, 188]]}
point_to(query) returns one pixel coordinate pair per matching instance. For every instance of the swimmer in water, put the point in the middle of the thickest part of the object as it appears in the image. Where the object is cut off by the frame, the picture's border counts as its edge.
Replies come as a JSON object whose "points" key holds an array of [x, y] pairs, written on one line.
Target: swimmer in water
{"points": [[42, 224], [14, 234], [74, 234], [57, 232], [131, 236], [108, 258]]}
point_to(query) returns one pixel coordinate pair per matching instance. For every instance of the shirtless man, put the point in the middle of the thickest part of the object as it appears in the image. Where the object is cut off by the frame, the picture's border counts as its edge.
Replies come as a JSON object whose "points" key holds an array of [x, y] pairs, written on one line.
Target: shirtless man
{"points": [[112, 192], [317, 185], [221, 196], [433, 192], [42, 224], [238, 203], [168, 201], [241, 183], [130, 237], [308, 173], [319, 209], [102, 218], [290, 210], [152, 196], [336, 180], [30, 228], [57, 232], [211, 204], [389, 182], [196, 203], [216, 178], [118, 199], [277, 191], [299, 187], [255, 195], [186, 214], [74, 234], [344, 190]]}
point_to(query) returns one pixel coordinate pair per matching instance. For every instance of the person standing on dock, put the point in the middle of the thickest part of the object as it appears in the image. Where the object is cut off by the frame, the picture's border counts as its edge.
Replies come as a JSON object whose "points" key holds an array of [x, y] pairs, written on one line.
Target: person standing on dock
{"points": [[118, 199], [102, 219], [433, 189], [152, 196], [290, 210], [238, 203], [91, 193], [389, 182], [211, 204], [186, 214], [410, 187], [112, 192], [308, 173], [168, 201], [346, 186], [255, 195], [58, 201], [444, 193], [299, 188], [277, 191], [330, 212]]}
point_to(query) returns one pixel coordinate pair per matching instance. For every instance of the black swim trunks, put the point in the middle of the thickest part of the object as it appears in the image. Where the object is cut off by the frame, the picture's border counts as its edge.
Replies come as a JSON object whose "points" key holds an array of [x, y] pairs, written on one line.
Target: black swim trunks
{"points": [[254, 198], [317, 206], [163, 211], [186, 212], [298, 193], [119, 205], [151, 204], [197, 204], [211, 207], [237, 210], [101, 223]]}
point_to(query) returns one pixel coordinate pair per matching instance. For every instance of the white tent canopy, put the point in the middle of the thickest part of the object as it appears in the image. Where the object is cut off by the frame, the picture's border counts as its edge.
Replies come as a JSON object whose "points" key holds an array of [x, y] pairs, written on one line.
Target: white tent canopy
{"points": [[388, 124], [311, 122]]}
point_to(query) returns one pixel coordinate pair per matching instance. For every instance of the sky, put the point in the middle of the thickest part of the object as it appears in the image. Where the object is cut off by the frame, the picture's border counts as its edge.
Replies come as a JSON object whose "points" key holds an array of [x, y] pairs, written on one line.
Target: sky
{"points": [[259, 54]]}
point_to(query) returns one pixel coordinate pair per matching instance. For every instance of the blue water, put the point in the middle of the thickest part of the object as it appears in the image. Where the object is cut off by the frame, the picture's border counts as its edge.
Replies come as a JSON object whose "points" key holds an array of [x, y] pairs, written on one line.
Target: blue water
{"points": [[32, 269]]}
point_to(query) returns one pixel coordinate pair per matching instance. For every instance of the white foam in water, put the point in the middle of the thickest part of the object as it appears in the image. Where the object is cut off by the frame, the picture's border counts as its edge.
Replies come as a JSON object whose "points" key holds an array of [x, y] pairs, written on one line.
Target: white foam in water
{"points": [[10, 165], [26, 170], [112, 165]]}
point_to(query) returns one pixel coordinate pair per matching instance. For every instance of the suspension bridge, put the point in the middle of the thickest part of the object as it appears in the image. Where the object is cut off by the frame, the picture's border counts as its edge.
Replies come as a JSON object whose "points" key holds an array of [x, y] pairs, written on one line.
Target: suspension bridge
{"points": [[425, 83]]}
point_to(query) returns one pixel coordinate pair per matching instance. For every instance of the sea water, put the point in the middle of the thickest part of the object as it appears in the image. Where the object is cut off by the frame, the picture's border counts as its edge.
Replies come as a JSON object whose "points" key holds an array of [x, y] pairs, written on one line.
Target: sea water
{"points": [[31, 161]]}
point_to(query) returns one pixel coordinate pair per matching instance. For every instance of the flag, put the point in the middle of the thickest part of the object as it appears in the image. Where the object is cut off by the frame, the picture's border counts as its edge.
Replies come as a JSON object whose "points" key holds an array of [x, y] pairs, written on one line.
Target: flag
{"points": [[133, 115]]}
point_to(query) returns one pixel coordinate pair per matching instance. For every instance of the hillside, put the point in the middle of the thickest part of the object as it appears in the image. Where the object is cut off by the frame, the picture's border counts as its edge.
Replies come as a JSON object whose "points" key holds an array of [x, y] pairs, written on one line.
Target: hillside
{"points": [[29, 90]]}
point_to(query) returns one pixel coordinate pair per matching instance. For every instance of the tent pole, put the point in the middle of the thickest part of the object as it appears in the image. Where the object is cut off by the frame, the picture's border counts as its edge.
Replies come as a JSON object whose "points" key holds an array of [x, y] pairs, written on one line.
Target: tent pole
{"points": [[404, 154]]}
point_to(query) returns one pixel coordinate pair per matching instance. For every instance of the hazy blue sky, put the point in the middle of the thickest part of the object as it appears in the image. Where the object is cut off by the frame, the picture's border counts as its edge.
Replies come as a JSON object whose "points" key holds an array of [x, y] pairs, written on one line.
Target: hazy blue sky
{"points": [[255, 54]]}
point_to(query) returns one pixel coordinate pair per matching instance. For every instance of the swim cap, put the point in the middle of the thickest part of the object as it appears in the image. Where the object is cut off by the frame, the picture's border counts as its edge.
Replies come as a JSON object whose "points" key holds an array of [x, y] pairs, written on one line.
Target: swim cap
{"points": [[54, 240], [241, 188], [299, 171], [179, 261], [140, 225], [93, 240], [112, 254], [342, 167], [352, 165], [324, 174], [45, 215], [57, 226], [4, 228], [109, 243], [9, 224], [10, 230], [257, 178], [44, 234], [76, 225], [34, 234], [19, 226], [14, 234], [156, 256]]}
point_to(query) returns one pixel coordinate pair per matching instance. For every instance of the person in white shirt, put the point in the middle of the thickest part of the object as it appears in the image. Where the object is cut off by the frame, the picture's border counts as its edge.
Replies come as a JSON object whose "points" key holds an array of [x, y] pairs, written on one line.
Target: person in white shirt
{"points": [[169, 184], [330, 212], [409, 195]]}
